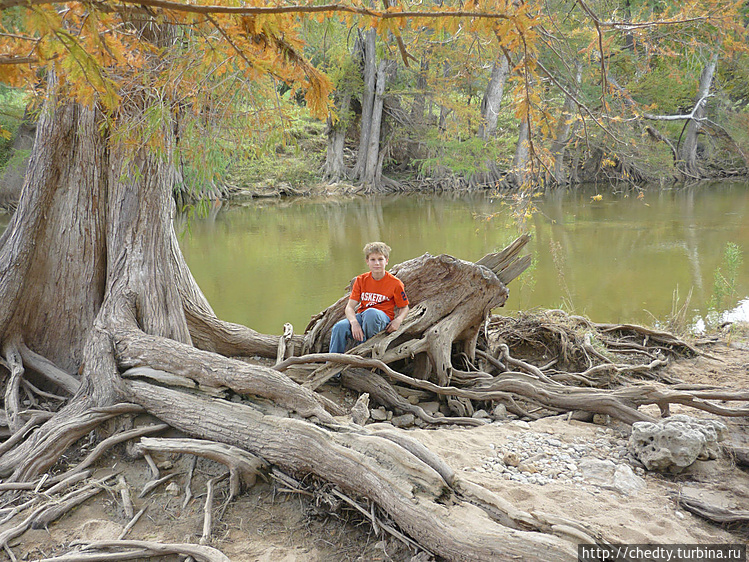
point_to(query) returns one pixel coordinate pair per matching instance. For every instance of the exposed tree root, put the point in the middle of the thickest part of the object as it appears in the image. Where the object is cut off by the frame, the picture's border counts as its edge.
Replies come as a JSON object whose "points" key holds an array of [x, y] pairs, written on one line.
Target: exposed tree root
{"points": [[713, 513], [134, 550], [243, 467], [402, 484], [49, 511]]}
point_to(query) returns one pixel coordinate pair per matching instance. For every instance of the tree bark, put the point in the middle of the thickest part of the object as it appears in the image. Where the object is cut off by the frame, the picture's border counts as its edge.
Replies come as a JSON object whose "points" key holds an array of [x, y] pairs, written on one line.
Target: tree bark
{"points": [[368, 54], [492, 100], [373, 162], [688, 152], [334, 168]]}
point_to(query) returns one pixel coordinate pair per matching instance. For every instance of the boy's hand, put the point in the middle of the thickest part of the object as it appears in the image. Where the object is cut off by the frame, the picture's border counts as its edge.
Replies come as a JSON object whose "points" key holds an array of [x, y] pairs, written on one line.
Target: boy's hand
{"points": [[394, 325], [357, 332]]}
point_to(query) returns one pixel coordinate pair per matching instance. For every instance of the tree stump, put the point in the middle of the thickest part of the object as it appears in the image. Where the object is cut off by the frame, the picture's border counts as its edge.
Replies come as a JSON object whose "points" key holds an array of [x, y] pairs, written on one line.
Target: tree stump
{"points": [[450, 302]]}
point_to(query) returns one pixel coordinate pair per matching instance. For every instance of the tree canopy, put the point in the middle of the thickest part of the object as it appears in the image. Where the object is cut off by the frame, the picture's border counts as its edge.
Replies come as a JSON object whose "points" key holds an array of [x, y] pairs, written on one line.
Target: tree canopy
{"points": [[219, 64]]}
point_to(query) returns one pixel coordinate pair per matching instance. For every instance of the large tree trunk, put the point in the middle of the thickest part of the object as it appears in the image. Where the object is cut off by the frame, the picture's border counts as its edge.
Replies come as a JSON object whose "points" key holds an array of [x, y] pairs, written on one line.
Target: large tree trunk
{"points": [[334, 168], [373, 162], [367, 50], [688, 152], [492, 100]]}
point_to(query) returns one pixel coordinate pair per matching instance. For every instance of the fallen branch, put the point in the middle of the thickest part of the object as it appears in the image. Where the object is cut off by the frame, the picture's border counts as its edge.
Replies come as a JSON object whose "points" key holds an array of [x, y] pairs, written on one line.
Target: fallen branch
{"points": [[244, 467], [145, 549]]}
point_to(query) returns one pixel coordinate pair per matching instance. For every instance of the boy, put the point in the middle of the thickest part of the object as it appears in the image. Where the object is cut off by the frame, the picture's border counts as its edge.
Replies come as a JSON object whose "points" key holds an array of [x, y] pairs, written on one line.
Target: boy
{"points": [[374, 298]]}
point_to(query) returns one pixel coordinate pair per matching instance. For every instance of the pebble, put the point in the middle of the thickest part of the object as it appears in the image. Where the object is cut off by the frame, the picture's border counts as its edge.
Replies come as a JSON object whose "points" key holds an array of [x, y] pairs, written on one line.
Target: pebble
{"points": [[538, 458]]}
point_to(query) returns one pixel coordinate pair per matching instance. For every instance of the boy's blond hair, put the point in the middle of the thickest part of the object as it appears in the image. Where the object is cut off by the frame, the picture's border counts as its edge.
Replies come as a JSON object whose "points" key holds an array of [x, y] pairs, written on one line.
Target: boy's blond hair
{"points": [[377, 248]]}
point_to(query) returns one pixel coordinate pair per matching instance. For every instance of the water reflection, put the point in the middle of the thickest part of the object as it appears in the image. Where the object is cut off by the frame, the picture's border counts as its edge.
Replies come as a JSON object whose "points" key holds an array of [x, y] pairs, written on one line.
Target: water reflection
{"points": [[620, 259]]}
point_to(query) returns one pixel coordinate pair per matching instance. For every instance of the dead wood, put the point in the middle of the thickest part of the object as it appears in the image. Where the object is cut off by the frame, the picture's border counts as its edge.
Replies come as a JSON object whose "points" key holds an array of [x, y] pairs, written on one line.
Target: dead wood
{"points": [[713, 513], [450, 300], [243, 466], [127, 502], [53, 438], [110, 442], [404, 486], [18, 436], [131, 550], [208, 509], [131, 523], [364, 381], [136, 349], [155, 483], [51, 510], [739, 454]]}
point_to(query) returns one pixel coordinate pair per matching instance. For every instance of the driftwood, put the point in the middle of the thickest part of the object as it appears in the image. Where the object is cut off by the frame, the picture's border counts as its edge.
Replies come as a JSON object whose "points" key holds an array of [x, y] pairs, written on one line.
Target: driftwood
{"points": [[713, 513]]}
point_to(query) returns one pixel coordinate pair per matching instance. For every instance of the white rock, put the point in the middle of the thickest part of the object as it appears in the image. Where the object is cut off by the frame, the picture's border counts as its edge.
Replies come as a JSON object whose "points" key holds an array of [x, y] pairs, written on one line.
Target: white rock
{"points": [[607, 474], [675, 442]]}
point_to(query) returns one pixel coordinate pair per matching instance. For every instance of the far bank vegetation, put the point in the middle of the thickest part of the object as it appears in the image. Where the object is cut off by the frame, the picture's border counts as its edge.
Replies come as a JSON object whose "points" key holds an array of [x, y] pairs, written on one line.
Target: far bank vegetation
{"points": [[599, 97]]}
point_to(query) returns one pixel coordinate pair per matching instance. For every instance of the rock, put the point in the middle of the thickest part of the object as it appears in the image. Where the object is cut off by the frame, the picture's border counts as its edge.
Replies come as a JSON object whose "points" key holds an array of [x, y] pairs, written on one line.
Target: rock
{"points": [[480, 414], [601, 419], [607, 474], [520, 424], [405, 420], [528, 467], [360, 410], [676, 442], [173, 489], [499, 412], [430, 407], [378, 414], [626, 481], [511, 459]]}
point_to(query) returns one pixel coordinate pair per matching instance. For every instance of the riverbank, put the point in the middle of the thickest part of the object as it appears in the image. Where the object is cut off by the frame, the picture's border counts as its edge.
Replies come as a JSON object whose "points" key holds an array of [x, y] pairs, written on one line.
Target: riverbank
{"points": [[273, 522]]}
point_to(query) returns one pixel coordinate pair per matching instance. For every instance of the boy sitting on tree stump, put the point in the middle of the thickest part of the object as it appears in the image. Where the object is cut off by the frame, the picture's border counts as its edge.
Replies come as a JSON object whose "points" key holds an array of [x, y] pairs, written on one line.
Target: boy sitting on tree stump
{"points": [[373, 301]]}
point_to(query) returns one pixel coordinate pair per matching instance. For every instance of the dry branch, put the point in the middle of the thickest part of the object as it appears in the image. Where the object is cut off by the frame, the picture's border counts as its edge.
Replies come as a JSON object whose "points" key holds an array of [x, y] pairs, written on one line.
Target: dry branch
{"points": [[243, 466], [713, 513], [143, 549]]}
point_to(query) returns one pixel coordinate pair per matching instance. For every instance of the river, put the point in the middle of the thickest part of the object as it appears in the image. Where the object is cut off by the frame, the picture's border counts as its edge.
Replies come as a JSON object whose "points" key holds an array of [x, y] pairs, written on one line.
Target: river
{"points": [[614, 258]]}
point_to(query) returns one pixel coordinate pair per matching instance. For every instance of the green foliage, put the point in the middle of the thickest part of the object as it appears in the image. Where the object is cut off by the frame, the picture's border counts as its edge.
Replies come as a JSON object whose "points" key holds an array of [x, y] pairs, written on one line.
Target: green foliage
{"points": [[292, 156], [12, 104], [725, 277], [462, 157]]}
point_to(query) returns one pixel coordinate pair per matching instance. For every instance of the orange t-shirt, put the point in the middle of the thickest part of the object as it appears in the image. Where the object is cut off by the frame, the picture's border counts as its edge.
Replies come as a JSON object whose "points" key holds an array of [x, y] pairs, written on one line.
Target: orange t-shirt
{"points": [[384, 295]]}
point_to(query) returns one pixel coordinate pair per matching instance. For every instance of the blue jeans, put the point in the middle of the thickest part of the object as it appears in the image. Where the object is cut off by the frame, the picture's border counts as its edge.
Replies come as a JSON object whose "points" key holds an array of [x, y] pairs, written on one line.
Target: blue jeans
{"points": [[371, 321]]}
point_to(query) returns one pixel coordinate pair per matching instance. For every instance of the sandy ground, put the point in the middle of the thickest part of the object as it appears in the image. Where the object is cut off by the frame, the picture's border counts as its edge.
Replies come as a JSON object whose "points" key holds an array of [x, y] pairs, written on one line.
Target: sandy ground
{"points": [[266, 524]]}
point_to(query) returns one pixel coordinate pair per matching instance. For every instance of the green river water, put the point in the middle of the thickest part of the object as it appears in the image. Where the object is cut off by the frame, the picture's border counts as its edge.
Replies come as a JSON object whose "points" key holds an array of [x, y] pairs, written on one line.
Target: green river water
{"points": [[618, 259]]}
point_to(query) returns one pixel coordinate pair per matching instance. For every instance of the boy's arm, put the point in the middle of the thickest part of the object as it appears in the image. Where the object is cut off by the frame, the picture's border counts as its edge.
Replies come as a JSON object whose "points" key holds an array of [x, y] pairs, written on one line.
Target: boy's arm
{"points": [[398, 320], [350, 312]]}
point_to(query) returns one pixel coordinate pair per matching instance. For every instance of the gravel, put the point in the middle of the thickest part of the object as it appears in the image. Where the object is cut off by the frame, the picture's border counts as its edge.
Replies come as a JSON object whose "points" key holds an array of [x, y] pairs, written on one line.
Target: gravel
{"points": [[542, 458]]}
